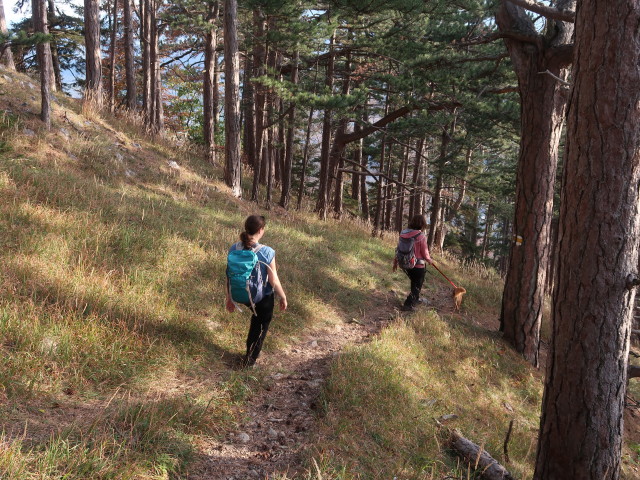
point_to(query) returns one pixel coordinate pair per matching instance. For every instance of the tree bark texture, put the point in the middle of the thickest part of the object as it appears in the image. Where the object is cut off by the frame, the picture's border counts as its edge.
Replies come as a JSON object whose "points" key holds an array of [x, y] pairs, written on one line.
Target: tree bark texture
{"points": [[129, 59], [232, 170], [581, 426], [56, 76], [542, 110], [112, 57], [259, 62], [145, 40], [92, 52], [210, 84], [43, 54], [6, 56], [288, 159], [322, 205]]}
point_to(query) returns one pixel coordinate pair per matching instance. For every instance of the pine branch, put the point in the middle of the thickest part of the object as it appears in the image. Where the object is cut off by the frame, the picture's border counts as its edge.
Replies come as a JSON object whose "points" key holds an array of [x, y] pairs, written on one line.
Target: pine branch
{"points": [[548, 12]]}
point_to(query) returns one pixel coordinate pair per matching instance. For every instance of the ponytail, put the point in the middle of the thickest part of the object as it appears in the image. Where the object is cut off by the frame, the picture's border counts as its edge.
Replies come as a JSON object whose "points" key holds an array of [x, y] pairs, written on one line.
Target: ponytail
{"points": [[252, 225]]}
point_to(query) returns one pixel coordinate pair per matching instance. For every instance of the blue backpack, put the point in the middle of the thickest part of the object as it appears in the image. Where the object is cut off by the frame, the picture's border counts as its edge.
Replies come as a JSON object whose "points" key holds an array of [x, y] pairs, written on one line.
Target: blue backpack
{"points": [[244, 275]]}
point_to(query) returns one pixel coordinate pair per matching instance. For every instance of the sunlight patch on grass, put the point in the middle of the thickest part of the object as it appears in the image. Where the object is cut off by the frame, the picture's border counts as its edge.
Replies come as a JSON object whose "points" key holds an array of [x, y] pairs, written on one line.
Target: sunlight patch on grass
{"points": [[431, 369]]}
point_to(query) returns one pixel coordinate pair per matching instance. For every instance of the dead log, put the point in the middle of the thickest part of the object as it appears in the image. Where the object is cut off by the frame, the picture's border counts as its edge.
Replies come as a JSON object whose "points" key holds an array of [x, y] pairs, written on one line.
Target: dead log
{"points": [[478, 458]]}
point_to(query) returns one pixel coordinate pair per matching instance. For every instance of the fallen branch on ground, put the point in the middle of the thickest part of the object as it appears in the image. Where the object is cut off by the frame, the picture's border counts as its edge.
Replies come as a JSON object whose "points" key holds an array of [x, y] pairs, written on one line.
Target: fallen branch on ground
{"points": [[478, 458]]}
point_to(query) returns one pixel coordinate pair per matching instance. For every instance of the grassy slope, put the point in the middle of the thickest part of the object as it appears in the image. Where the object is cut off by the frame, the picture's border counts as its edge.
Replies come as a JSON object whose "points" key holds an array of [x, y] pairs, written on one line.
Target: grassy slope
{"points": [[114, 344]]}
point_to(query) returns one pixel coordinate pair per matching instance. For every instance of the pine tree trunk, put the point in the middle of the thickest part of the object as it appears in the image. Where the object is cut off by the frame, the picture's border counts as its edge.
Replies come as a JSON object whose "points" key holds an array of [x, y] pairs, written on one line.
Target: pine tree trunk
{"points": [[56, 79], [259, 62], [322, 204], [43, 53], [414, 200], [543, 101], [402, 177], [145, 40], [305, 156], [6, 57], [269, 166], [388, 190], [364, 190], [436, 199], [357, 157], [378, 219], [111, 90], [129, 58], [249, 112], [93, 87], [210, 85], [288, 160], [581, 428], [233, 166], [155, 121]]}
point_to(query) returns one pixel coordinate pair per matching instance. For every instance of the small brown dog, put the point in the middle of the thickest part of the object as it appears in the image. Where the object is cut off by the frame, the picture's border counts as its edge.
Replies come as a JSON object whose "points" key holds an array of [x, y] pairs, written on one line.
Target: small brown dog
{"points": [[457, 297]]}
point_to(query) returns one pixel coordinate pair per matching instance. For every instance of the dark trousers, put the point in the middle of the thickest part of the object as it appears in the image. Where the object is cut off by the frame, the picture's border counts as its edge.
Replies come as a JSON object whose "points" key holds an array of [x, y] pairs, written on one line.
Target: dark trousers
{"points": [[416, 275], [258, 329]]}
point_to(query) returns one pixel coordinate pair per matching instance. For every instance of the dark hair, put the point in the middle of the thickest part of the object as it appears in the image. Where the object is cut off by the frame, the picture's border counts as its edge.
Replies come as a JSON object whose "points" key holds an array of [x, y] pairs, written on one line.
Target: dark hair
{"points": [[252, 225], [418, 222]]}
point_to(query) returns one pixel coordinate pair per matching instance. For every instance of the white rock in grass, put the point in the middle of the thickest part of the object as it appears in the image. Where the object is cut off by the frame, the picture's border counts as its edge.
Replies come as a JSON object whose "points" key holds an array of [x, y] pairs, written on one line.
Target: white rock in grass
{"points": [[29, 133], [272, 434], [49, 345], [243, 437], [119, 157], [174, 165], [130, 173]]}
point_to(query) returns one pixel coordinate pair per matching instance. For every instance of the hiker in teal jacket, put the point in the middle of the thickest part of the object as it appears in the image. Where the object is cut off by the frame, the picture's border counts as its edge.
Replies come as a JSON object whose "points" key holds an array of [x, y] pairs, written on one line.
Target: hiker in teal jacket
{"points": [[254, 227], [416, 274]]}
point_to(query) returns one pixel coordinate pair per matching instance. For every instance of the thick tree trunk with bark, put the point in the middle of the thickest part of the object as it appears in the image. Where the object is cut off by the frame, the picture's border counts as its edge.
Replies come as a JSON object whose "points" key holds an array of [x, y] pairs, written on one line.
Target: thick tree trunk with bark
{"points": [[232, 166], [6, 57], [542, 107], [129, 59], [93, 87], [582, 411], [43, 53], [210, 85]]}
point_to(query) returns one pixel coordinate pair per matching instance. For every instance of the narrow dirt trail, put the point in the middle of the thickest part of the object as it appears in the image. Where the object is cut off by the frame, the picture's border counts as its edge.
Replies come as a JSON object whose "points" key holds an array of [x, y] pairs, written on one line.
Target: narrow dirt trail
{"points": [[280, 419]]}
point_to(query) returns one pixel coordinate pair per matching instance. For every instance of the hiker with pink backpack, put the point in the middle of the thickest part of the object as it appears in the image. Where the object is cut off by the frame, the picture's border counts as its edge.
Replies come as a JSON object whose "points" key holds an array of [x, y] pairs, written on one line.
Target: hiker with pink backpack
{"points": [[412, 255], [252, 279]]}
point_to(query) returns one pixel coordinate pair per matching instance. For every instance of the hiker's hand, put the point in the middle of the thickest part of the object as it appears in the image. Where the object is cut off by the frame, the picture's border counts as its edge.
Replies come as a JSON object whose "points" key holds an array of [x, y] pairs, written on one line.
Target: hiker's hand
{"points": [[231, 307], [283, 303]]}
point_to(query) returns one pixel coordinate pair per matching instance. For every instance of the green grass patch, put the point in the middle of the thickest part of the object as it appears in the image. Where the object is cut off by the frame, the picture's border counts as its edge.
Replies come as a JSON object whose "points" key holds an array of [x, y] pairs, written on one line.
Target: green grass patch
{"points": [[383, 397]]}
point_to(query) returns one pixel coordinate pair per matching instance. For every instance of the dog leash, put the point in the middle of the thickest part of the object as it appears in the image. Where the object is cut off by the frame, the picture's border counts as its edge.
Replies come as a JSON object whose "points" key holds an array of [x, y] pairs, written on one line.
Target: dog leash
{"points": [[436, 267]]}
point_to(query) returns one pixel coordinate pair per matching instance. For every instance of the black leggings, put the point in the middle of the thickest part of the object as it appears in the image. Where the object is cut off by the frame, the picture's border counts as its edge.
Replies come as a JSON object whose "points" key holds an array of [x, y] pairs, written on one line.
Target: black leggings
{"points": [[259, 326], [416, 275]]}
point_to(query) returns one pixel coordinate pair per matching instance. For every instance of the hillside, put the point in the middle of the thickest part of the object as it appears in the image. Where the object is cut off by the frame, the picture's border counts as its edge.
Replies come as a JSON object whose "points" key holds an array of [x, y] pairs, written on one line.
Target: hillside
{"points": [[119, 360]]}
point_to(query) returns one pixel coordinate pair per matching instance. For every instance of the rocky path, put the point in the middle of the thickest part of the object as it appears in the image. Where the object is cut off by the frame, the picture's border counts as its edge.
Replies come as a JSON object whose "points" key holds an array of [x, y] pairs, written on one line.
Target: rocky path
{"points": [[280, 419]]}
